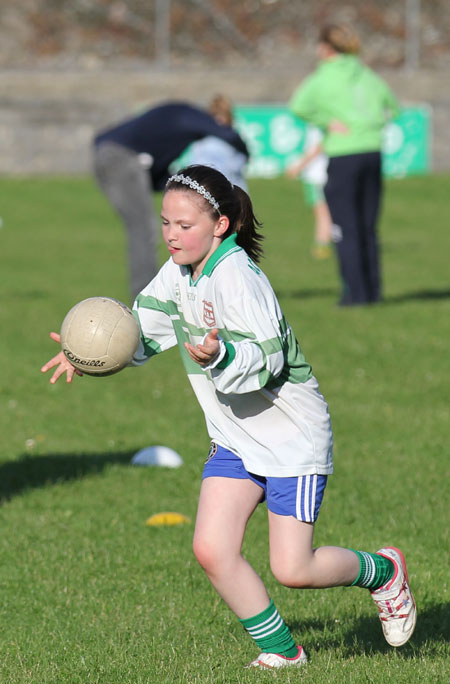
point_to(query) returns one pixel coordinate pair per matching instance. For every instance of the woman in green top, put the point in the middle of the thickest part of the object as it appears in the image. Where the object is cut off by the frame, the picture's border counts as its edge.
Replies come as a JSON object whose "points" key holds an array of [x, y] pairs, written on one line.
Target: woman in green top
{"points": [[351, 104]]}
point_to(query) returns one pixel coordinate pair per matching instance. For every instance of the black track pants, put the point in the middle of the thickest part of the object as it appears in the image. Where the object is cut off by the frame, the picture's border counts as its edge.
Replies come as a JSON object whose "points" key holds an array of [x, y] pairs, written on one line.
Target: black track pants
{"points": [[353, 193]]}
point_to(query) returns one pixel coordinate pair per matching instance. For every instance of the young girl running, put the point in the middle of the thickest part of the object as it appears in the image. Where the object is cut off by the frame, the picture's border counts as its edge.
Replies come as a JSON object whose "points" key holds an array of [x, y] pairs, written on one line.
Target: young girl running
{"points": [[269, 425]]}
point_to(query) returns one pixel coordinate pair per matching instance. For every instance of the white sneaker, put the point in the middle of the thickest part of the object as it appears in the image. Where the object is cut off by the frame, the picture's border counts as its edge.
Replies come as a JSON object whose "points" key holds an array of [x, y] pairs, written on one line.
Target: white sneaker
{"points": [[274, 660], [395, 601]]}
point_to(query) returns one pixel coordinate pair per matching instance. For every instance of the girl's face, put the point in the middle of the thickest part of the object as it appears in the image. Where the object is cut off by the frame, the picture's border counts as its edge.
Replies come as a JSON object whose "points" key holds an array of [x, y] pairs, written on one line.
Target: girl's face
{"points": [[189, 231]]}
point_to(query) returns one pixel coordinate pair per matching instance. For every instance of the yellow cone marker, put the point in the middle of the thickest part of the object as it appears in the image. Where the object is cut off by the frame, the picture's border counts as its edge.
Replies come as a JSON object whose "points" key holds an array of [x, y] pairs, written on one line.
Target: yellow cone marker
{"points": [[160, 519]]}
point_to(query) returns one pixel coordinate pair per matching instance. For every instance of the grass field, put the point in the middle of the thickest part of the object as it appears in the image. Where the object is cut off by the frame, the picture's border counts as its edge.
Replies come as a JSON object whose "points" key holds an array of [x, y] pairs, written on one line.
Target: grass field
{"points": [[89, 593]]}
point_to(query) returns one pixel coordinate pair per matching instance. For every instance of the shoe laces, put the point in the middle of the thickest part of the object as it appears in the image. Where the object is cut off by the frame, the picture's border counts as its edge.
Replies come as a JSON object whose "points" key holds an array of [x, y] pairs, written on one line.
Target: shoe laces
{"points": [[390, 606]]}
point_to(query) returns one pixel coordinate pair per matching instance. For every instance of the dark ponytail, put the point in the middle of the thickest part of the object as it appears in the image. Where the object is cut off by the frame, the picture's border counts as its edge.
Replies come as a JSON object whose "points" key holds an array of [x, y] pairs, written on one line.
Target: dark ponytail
{"points": [[249, 236], [232, 201]]}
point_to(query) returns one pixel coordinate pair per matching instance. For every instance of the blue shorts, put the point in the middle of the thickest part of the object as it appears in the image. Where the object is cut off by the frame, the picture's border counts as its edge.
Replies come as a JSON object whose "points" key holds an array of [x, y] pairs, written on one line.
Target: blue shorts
{"points": [[299, 496]]}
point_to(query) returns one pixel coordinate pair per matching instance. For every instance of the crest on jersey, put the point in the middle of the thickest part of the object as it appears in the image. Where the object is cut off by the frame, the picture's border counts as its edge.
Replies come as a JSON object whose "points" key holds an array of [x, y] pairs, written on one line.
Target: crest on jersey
{"points": [[208, 314]]}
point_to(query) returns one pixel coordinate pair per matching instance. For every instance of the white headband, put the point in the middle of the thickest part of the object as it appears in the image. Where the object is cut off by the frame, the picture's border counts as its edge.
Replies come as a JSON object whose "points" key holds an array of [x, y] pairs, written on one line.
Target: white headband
{"points": [[187, 180]]}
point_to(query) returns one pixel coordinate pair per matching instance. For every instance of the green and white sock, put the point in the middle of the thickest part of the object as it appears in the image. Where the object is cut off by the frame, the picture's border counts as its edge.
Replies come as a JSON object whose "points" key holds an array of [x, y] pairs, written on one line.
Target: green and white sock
{"points": [[374, 570], [270, 633]]}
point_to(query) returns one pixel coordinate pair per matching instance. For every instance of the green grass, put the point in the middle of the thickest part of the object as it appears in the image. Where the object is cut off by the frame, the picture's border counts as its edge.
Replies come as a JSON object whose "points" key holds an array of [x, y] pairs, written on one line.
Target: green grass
{"points": [[89, 594]]}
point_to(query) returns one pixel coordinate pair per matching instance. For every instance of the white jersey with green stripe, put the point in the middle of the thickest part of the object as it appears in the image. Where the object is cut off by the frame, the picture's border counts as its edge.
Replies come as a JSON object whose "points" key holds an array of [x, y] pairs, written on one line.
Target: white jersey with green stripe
{"points": [[259, 397]]}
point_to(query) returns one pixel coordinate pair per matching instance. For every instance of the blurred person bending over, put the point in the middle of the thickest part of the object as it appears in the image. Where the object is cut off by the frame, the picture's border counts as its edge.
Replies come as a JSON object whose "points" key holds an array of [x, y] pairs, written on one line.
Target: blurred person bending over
{"points": [[351, 104], [132, 159]]}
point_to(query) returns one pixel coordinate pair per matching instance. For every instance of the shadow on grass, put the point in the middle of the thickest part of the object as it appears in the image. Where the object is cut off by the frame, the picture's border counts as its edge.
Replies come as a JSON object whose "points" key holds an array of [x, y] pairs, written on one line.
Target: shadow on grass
{"points": [[419, 295], [364, 634], [307, 294], [30, 472]]}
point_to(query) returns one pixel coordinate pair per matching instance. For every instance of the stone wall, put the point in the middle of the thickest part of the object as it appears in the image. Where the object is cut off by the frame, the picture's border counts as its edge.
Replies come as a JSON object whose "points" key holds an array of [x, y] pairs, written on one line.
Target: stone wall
{"points": [[48, 117]]}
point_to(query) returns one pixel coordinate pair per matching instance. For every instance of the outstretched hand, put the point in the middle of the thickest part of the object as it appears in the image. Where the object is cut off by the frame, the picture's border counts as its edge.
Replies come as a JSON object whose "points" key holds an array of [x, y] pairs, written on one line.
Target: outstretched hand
{"points": [[205, 353], [62, 364]]}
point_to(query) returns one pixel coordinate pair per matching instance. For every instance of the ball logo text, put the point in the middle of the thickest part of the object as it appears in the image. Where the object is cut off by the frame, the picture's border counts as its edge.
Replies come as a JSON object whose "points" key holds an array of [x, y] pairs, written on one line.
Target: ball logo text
{"points": [[83, 362]]}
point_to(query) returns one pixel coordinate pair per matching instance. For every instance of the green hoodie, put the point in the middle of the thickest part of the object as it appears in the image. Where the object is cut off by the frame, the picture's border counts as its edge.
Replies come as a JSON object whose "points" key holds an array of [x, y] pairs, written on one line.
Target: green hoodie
{"points": [[344, 89]]}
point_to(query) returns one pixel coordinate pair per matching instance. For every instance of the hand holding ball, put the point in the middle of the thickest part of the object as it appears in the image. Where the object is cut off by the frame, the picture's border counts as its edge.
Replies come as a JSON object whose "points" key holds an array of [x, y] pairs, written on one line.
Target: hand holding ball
{"points": [[99, 336]]}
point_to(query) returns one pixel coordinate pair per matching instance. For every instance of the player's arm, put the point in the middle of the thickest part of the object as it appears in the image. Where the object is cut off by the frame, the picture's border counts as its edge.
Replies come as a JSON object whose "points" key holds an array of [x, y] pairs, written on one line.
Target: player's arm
{"points": [[61, 363], [304, 103], [299, 164], [208, 351], [246, 366], [154, 308], [256, 357], [156, 329]]}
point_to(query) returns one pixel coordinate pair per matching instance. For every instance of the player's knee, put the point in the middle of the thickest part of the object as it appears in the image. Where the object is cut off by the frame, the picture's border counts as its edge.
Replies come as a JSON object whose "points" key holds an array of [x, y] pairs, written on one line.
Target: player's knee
{"points": [[206, 554], [290, 574]]}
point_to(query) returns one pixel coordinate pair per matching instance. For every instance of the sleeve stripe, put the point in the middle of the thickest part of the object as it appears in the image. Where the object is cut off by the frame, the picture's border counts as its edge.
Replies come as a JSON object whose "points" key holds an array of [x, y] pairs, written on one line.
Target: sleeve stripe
{"points": [[228, 358]]}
